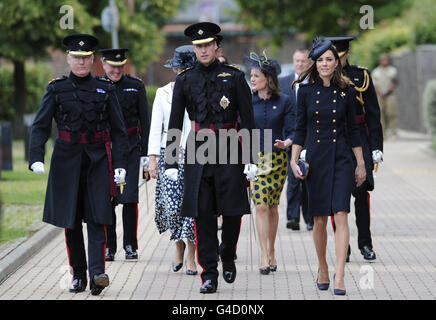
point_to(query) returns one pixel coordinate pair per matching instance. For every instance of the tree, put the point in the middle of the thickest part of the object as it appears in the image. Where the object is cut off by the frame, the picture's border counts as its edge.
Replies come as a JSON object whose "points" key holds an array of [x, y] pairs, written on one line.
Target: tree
{"points": [[29, 28], [320, 17]]}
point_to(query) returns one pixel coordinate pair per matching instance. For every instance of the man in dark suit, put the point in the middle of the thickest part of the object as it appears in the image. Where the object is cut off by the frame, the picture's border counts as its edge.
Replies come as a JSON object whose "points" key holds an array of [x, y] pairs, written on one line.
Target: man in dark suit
{"points": [[214, 95], [134, 107], [296, 190], [81, 180]]}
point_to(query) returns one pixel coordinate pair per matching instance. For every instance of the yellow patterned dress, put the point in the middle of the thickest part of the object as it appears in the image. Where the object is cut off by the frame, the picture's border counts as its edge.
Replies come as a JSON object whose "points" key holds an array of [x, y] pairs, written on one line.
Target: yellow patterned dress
{"points": [[272, 172]]}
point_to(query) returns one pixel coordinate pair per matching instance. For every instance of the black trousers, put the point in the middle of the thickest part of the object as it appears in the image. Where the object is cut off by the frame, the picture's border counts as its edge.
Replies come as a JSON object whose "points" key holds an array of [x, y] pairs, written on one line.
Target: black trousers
{"points": [[96, 235], [206, 229], [363, 216], [296, 194], [130, 224]]}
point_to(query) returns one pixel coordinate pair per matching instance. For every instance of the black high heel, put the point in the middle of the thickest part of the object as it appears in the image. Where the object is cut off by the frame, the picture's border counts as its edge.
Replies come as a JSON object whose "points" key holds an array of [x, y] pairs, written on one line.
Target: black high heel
{"points": [[177, 266], [272, 267]]}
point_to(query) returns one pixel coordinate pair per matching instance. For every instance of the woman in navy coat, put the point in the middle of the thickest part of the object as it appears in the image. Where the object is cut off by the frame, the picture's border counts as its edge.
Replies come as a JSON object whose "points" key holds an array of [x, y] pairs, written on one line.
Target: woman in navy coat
{"points": [[326, 122], [275, 116]]}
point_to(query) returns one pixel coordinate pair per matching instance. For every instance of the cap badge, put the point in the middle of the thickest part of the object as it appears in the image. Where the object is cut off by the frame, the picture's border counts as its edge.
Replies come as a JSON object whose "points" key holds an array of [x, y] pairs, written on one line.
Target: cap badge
{"points": [[81, 43], [200, 32], [342, 94], [118, 56], [224, 103]]}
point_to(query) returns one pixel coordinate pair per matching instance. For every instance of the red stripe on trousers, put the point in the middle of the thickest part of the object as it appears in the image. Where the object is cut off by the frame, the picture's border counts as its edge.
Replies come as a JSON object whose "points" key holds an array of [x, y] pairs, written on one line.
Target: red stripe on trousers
{"points": [[68, 249], [369, 207], [104, 253], [137, 226]]}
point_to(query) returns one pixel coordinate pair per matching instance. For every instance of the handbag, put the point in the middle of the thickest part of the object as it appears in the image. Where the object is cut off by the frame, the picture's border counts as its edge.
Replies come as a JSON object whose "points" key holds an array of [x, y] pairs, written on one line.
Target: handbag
{"points": [[304, 167]]}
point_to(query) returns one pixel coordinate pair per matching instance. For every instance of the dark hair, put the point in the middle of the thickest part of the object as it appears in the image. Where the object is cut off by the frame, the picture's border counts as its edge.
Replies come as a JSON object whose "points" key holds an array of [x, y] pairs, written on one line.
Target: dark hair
{"points": [[339, 79], [273, 84]]}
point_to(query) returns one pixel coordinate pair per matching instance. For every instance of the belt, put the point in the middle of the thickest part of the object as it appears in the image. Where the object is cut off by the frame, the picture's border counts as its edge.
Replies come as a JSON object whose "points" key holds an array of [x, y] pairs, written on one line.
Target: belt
{"points": [[360, 118], [224, 126], [133, 131], [101, 136]]}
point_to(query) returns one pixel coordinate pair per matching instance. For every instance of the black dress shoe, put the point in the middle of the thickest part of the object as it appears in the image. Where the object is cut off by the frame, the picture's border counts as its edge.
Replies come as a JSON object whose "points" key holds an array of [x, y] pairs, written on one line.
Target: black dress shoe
{"points": [[293, 224], [368, 253], [98, 283], [309, 226], [130, 252], [208, 287], [110, 255], [229, 271], [177, 266], [78, 285]]}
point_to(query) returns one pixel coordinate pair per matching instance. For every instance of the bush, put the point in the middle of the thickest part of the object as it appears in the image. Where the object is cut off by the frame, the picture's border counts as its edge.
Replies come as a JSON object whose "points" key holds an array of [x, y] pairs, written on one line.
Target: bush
{"points": [[429, 100], [37, 77], [151, 93]]}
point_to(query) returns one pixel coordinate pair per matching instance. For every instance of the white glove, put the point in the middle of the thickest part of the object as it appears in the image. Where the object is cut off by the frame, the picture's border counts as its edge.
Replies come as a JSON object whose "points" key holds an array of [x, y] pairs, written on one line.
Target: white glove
{"points": [[303, 155], [377, 156], [172, 173], [144, 162], [120, 176], [38, 167], [250, 171]]}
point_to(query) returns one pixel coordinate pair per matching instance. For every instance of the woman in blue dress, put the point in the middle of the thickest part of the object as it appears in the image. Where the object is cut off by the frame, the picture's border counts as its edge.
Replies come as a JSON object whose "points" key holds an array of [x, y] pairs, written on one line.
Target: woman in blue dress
{"points": [[326, 125], [275, 116]]}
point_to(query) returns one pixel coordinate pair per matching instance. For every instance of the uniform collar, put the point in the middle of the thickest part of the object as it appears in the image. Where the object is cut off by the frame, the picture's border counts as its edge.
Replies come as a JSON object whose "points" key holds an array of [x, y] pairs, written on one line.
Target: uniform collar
{"points": [[210, 67], [80, 79]]}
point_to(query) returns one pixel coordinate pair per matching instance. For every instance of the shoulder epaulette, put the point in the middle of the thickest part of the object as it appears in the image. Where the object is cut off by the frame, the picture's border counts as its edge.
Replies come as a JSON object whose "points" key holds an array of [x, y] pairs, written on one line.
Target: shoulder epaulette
{"points": [[361, 67], [104, 79], [134, 78], [183, 71], [57, 79], [234, 66]]}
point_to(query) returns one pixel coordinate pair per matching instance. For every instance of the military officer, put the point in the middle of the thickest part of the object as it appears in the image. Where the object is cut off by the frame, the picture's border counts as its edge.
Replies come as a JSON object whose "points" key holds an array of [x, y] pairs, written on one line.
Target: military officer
{"points": [[214, 95], [81, 179], [368, 118], [133, 101]]}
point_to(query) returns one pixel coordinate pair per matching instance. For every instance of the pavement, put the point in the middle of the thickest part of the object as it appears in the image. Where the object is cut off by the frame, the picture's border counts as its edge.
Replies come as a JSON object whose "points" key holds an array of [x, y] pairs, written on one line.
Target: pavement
{"points": [[403, 225]]}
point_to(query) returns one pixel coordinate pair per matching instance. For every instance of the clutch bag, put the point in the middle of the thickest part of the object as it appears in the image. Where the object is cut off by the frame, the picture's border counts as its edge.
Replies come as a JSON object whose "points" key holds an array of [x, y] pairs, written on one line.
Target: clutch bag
{"points": [[304, 167]]}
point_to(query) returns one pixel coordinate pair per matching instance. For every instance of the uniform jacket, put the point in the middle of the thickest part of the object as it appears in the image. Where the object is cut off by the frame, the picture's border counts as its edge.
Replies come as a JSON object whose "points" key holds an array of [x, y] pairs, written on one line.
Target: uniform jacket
{"points": [[79, 106], [371, 131], [132, 97], [200, 90], [277, 114], [326, 122]]}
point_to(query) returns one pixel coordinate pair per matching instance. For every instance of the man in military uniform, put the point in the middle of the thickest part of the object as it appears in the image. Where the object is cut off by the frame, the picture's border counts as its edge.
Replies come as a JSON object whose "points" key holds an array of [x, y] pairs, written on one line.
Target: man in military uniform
{"points": [[214, 95], [368, 118], [81, 179], [133, 101]]}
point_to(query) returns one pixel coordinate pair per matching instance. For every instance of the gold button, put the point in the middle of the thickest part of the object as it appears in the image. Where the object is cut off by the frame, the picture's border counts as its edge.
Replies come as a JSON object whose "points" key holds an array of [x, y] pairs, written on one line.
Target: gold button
{"points": [[334, 100], [318, 92], [317, 121], [334, 120], [316, 112], [317, 131], [318, 141], [334, 140], [334, 110], [334, 130], [317, 101], [334, 91]]}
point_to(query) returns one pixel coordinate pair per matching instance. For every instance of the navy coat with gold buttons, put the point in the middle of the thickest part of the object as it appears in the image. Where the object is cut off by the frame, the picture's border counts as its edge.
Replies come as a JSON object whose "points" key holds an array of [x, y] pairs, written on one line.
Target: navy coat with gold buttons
{"points": [[326, 122]]}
